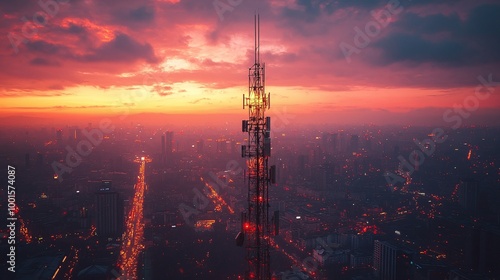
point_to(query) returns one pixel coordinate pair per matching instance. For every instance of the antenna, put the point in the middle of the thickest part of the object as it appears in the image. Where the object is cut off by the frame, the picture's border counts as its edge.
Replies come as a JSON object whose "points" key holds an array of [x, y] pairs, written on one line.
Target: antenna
{"points": [[256, 228]]}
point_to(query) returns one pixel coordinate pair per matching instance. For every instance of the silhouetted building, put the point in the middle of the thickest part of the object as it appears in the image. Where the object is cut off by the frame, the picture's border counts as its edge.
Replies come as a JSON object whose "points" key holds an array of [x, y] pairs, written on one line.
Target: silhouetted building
{"points": [[468, 194], [74, 134], [462, 275], [163, 149], [334, 141], [169, 146], [108, 211], [106, 185], [169, 142], [481, 249], [430, 272], [391, 262], [59, 137]]}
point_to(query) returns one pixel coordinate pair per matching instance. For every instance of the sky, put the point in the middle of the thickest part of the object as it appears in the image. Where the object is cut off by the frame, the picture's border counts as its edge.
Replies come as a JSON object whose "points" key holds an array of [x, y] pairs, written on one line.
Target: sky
{"points": [[344, 61]]}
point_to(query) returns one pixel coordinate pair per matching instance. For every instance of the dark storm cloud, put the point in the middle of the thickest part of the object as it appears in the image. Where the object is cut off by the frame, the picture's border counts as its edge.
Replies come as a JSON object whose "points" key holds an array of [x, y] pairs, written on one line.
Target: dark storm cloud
{"points": [[7, 6], [44, 47], [144, 13], [483, 26], [444, 39], [309, 10], [75, 29], [305, 17], [431, 24], [122, 48], [135, 18], [406, 47]]}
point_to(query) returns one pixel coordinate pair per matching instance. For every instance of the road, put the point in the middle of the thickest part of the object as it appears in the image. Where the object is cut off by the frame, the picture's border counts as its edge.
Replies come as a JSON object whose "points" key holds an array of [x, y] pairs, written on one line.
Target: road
{"points": [[134, 229]]}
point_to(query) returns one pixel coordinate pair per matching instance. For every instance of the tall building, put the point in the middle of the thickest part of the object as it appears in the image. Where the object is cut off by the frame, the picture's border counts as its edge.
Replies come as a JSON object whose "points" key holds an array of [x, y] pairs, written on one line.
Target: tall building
{"points": [[162, 149], [74, 134], [391, 262], [169, 142], [108, 211], [169, 145], [482, 244], [468, 194], [59, 136]]}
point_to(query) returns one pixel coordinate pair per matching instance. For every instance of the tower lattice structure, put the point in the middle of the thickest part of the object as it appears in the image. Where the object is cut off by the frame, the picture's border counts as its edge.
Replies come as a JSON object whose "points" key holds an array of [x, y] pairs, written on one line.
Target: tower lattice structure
{"points": [[256, 228]]}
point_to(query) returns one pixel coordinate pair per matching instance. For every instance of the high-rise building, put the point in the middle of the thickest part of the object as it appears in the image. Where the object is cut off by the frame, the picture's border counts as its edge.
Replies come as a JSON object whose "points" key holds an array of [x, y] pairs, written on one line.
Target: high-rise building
{"points": [[108, 211], [482, 244], [468, 194], [169, 145], [74, 134], [59, 136], [169, 142], [391, 262], [163, 149]]}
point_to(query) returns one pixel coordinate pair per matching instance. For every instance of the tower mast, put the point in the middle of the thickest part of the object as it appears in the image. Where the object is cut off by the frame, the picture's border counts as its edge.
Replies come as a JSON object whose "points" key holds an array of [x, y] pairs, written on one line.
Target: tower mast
{"points": [[255, 232]]}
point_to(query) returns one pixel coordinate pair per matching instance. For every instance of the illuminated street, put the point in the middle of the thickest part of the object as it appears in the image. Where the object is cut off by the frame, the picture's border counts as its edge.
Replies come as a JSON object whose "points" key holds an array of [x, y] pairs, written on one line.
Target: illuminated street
{"points": [[134, 229], [216, 198]]}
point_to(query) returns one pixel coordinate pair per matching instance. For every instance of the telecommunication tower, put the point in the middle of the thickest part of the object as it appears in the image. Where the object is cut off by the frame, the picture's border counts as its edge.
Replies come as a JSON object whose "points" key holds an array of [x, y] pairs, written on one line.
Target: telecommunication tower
{"points": [[256, 228]]}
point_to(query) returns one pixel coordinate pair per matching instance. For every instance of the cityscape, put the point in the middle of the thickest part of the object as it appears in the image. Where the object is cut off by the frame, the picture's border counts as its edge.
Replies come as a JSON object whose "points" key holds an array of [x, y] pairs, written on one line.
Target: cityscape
{"points": [[242, 143], [161, 204]]}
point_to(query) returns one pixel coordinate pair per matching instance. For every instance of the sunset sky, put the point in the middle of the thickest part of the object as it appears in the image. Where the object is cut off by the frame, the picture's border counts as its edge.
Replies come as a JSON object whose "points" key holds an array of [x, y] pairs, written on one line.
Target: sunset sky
{"points": [[82, 58]]}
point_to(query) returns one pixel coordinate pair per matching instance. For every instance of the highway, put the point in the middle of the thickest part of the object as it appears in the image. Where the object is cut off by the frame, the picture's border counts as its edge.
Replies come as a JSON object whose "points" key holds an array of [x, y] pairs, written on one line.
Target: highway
{"points": [[132, 243]]}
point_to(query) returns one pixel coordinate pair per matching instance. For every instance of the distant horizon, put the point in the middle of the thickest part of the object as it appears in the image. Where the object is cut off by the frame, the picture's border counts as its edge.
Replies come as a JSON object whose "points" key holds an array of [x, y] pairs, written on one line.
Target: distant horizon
{"points": [[280, 118]]}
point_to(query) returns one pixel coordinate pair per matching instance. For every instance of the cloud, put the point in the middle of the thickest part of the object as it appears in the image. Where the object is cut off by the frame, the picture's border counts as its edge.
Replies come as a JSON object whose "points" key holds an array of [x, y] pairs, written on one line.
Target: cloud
{"points": [[60, 107], [405, 47], [44, 62], [122, 48], [43, 47], [444, 39], [428, 45], [199, 100], [75, 29], [163, 90], [24, 93], [144, 13]]}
